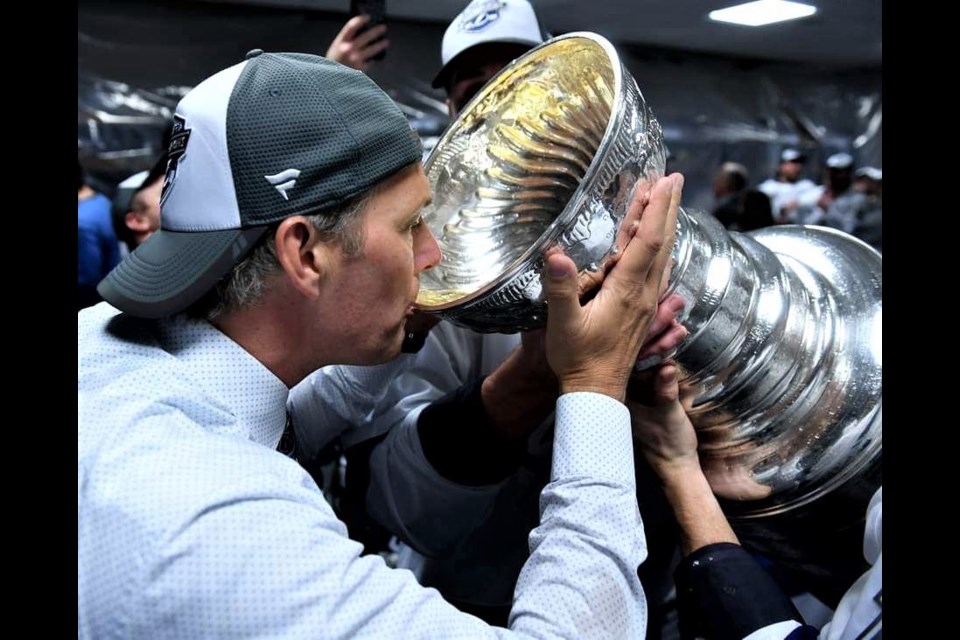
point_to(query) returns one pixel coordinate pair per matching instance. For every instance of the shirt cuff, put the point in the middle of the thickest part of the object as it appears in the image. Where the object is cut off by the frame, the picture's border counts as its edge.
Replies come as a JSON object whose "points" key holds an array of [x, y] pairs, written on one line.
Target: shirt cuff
{"points": [[722, 592], [593, 438]]}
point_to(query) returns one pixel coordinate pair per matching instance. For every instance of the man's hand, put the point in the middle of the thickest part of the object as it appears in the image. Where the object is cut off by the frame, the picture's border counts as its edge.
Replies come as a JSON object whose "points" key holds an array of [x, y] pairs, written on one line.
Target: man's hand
{"points": [[593, 346], [355, 49], [665, 333], [662, 430], [660, 424]]}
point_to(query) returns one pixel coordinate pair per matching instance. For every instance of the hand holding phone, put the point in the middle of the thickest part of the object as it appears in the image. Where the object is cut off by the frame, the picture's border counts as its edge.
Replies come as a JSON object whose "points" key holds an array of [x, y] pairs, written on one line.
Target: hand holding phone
{"points": [[363, 38]]}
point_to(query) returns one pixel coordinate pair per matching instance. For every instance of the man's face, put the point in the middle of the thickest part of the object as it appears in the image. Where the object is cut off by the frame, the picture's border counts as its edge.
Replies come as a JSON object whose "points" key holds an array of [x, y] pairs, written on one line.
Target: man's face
{"points": [[148, 201], [791, 171], [368, 297], [144, 216], [466, 85], [477, 66]]}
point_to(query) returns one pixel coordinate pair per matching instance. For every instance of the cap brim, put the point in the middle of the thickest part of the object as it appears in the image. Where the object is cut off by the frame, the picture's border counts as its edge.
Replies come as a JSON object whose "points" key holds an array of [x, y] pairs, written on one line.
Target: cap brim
{"points": [[440, 80], [174, 269]]}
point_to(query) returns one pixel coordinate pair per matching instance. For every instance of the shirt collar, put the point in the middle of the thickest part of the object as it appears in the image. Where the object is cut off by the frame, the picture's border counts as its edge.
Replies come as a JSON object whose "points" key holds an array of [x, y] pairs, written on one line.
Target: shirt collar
{"points": [[230, 374]]}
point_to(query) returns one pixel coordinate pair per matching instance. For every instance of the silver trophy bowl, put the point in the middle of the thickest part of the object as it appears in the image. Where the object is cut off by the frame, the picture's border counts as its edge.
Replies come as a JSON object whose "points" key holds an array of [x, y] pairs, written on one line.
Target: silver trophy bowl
{"points": [[784, 353], [548, 152]]}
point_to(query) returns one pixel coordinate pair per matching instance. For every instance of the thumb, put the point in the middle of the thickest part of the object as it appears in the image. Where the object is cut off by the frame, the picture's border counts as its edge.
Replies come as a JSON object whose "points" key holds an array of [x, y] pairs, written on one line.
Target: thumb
{"points": [[666, 388], [562, 287]]}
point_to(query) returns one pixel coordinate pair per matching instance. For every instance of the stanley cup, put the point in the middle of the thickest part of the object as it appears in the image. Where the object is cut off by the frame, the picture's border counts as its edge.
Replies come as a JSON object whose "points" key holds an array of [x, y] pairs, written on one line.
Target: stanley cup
{"points": [[785, 323]]}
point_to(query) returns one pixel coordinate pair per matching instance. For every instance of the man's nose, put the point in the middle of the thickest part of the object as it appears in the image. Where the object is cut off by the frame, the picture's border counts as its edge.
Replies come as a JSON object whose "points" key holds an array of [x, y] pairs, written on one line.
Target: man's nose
{"points": [[426, 249]]}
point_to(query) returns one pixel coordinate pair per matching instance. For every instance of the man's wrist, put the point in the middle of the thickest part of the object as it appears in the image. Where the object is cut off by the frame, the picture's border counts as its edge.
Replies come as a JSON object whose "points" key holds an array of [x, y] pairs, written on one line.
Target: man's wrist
{"points": [[608, 385], [676, 470]]}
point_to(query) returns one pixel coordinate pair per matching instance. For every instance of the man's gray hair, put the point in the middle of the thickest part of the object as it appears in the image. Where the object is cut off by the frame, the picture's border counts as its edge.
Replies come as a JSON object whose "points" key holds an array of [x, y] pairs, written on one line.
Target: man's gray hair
{"points": [[247, 282]]}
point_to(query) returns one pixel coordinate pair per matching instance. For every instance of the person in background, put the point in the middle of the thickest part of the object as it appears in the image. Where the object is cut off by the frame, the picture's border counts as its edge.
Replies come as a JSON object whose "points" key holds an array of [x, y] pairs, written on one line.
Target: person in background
{"points": [[788, 190], [723, 592], [355, 47], [135, 211], [292, 238], [121, 206], [840, 205], [483, 39], [869, 182], [98, 250], [739, 207]]}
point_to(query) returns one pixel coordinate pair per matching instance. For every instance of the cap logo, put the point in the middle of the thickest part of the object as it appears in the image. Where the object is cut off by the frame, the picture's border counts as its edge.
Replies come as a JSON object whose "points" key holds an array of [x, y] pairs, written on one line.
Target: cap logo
{"points": [[284, 181], [179, 137], [480, 15]]}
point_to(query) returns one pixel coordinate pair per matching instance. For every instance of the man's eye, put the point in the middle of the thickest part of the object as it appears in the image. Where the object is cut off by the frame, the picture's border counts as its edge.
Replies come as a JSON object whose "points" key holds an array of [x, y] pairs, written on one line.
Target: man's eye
{"points": [[416, 223]]}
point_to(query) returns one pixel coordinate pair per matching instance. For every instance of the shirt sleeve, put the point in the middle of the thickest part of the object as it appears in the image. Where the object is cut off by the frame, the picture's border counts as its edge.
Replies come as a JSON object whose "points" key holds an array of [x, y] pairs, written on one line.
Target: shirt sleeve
{"points": [[460, 441], [340, 402], [267, 558], [406, 494], [860, 612], [724, 594]]}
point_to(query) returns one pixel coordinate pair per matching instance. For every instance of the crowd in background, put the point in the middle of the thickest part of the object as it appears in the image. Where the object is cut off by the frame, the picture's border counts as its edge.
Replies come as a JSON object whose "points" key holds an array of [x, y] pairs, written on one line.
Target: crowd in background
{"points": [[849, 199]]}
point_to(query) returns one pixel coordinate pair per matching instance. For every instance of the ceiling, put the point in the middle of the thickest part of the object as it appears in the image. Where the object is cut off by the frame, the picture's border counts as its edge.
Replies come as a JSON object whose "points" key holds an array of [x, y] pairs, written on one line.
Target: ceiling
{"points": [[846, 33]]}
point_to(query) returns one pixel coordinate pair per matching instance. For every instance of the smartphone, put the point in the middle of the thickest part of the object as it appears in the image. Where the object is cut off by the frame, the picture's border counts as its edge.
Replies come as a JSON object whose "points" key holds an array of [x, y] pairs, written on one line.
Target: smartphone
{"points": [[377, 10]]}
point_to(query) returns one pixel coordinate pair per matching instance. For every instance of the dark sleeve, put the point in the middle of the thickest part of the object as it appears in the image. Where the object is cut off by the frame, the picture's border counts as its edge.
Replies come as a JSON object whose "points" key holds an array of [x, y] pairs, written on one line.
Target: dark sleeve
{"points": [[461, 443], [724, 594]]}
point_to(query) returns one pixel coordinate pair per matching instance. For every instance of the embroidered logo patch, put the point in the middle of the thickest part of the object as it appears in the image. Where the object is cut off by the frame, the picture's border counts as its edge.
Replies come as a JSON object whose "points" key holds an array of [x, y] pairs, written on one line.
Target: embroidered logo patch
{"points": [[480, 15], [179, 137], [284, 181]]}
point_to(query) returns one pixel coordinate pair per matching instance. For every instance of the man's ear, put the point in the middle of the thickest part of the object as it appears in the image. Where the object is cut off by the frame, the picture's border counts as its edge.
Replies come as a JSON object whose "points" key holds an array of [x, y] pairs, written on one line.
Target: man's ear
{"points": [[303, 255]]}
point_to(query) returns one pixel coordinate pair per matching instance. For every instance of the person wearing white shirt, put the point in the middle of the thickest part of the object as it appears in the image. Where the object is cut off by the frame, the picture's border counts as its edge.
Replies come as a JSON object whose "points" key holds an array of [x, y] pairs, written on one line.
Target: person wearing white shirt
{"points": [[291, 239], [789, 193]]}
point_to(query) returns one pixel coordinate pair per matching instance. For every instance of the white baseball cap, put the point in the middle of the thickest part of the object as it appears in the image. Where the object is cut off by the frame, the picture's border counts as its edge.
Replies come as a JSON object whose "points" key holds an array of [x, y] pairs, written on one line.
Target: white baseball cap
{"points": [[840, 161], [791, 155], [488, 21]]}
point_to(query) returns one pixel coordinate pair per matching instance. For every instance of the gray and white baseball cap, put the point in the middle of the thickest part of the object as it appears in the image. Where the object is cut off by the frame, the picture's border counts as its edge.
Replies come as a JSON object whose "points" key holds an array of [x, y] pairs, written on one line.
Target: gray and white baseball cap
{"points": [[484, 22], [278, 135]]}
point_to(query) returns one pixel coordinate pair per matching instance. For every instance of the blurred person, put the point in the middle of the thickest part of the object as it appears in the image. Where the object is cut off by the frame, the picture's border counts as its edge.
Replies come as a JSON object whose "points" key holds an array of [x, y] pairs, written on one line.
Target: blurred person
{"points": [[120, 206], [355, 47], [869, 228], [484, 38], [739, 207], [723, 591], [787, 189], [839, 205], [291, 238], [135, 209], [98, 250], [728, 183]]}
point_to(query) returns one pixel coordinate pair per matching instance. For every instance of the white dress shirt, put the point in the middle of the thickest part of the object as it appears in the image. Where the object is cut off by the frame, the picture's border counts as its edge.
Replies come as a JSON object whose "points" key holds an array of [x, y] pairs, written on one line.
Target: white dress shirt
{"points": [[474, 537], [802, 194], [191, 525]]}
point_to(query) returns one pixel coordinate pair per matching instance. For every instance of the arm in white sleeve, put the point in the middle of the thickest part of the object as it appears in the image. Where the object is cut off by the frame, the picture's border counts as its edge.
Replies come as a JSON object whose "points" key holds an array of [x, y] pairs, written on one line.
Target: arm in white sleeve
{"points": [[343, 402], [407, 495], [301, 577]]}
